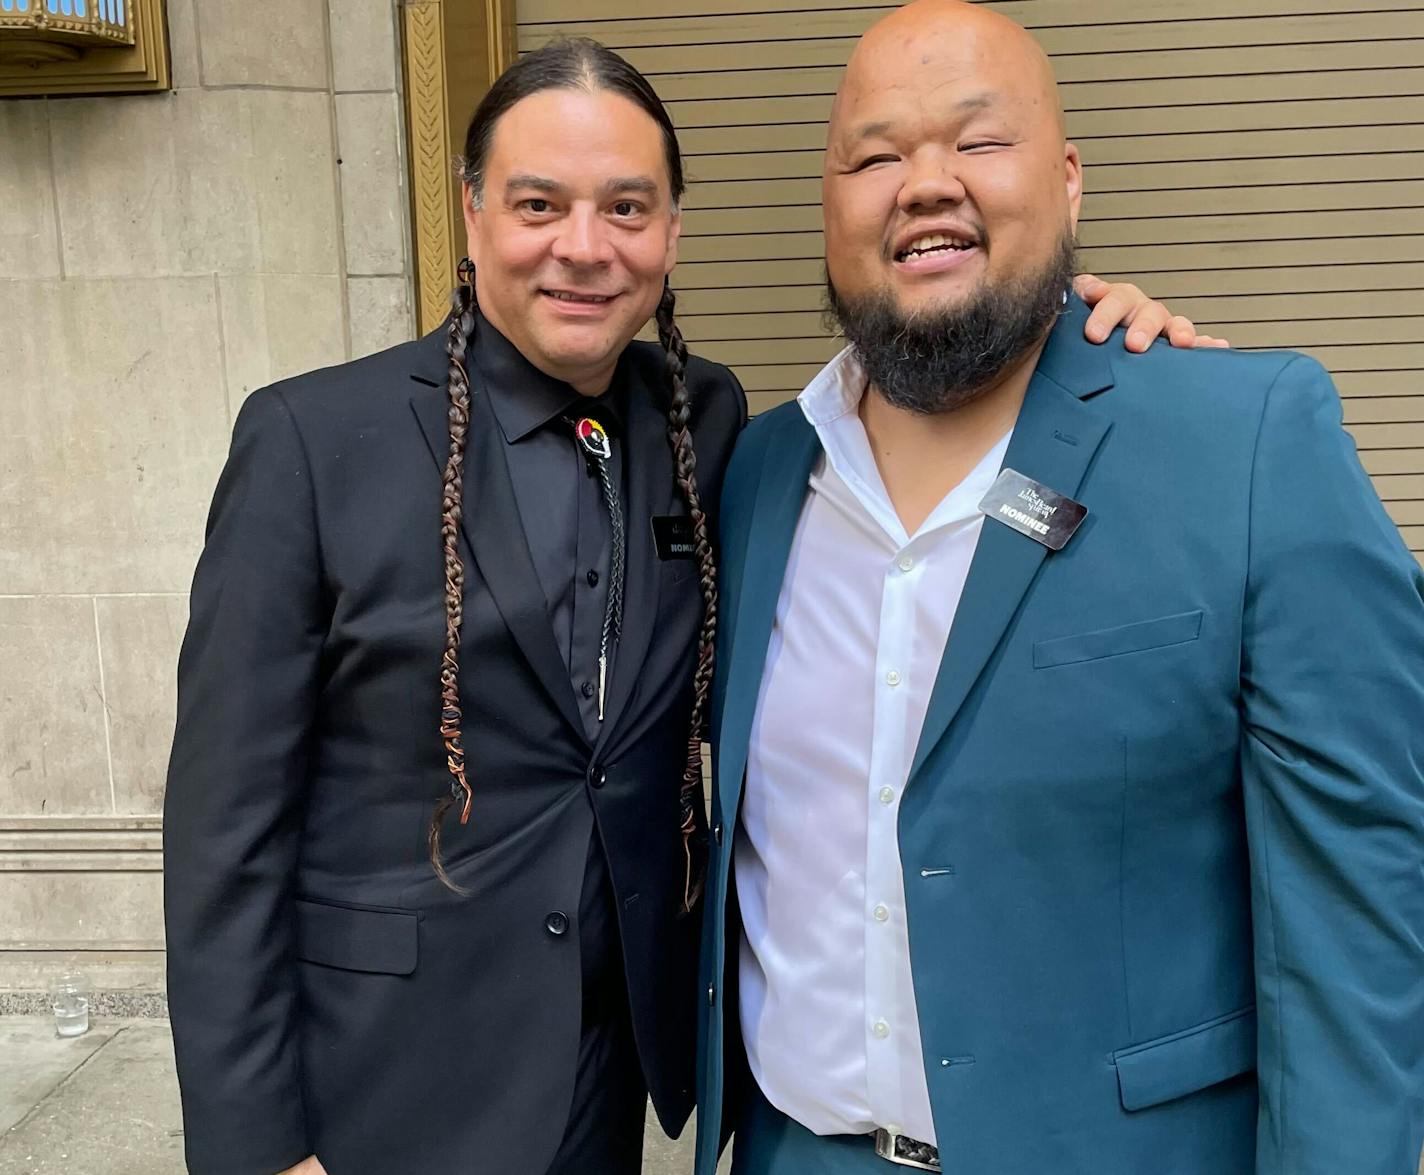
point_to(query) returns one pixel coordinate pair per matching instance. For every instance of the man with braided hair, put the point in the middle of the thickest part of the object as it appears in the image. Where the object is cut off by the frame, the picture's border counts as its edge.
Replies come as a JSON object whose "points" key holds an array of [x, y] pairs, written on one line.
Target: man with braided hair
{"points": [[431, 854]]}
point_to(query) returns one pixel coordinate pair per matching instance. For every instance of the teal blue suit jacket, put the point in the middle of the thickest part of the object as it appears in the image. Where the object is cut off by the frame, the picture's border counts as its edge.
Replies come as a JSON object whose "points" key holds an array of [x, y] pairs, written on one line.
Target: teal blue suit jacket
{"points": [[1163, 838]]}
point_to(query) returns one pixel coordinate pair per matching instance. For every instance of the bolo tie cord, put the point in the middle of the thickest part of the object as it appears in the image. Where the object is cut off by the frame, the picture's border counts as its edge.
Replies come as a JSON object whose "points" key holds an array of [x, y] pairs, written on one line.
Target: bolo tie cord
{"points": [[598, 450]]}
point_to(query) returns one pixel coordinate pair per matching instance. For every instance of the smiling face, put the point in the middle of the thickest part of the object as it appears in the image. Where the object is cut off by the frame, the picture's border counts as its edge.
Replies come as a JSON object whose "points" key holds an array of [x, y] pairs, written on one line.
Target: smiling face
{"points": [[574, 230], [946, 169]]}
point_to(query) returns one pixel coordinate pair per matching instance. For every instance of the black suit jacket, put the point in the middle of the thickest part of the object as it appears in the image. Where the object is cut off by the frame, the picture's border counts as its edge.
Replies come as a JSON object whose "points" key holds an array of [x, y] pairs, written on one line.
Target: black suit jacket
{"points": [[328, 995]]}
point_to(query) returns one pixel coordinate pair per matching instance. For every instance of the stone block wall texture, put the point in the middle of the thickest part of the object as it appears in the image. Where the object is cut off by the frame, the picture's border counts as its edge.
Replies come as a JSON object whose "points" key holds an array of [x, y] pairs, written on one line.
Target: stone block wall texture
{"points": [[161, 256]]}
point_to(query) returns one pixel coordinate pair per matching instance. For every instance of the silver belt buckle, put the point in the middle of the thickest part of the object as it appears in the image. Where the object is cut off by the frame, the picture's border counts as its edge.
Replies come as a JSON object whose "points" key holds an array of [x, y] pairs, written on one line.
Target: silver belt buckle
{"points": [[892, 1145]]}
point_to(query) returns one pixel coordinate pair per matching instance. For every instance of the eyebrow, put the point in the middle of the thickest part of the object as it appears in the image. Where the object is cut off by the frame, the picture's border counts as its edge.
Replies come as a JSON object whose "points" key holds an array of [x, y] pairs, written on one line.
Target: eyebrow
{"points": [[633, 183], [977, 102], [538, 183], [871, 130]]}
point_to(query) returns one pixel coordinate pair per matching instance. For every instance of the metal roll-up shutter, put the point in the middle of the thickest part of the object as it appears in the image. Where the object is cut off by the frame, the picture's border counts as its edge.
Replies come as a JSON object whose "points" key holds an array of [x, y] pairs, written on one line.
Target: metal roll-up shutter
{"points": [[1257, 163]]}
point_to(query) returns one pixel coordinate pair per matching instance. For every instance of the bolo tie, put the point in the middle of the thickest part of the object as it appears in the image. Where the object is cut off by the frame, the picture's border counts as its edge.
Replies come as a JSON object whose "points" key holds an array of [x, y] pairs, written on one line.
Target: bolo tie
{"points": [[597, 449]]}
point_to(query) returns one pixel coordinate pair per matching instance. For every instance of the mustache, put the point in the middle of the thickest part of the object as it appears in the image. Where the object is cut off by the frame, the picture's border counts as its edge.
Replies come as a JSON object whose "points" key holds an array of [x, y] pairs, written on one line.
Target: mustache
{"points": [[939, 358]]}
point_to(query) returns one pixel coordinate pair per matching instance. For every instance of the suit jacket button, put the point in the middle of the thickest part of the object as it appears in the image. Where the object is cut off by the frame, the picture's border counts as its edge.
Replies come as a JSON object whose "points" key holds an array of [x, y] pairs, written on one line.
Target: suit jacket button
{"points": [[717, 833], [556, 923], [597, 777], [711, 995]]}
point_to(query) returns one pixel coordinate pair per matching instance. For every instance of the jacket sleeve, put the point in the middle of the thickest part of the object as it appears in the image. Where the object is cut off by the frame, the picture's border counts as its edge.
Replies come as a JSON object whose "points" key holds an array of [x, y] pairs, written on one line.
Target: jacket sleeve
{"points": [[1333, 777], [247, 685]]}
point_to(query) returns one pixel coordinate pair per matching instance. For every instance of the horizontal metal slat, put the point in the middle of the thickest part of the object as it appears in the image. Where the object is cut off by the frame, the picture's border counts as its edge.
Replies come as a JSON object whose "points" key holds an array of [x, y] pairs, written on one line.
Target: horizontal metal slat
{"points": [[1091, 128], [1378, 383], [757, 310], [1400, 486], [1194, 69], [1373, 160], [1301, 228], [791, 363], [1283, 262], [1413, 538], [1406, 409], [758, 44], [1104, 96], [1379, 462], [1194, 149], [656, 24], [1257, 207], [1406, 513], [1253, 254], [1407, 484]]}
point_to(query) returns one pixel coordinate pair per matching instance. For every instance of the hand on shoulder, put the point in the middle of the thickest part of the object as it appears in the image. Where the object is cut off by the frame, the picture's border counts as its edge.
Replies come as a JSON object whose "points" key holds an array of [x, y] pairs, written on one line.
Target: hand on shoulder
{"points": [[1124, 304]]}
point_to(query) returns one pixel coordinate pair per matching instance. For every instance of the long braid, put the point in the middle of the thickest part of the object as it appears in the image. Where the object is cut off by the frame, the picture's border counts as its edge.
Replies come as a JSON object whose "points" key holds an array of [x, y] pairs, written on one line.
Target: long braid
{"points": [[685, 467], [582, 65], [452, 508]]}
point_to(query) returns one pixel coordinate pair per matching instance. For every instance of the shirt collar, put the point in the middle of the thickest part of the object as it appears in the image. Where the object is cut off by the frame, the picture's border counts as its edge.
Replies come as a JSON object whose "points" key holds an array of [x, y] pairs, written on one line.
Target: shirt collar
{"points": [[835, 391], [525, 399], [831, 405]]}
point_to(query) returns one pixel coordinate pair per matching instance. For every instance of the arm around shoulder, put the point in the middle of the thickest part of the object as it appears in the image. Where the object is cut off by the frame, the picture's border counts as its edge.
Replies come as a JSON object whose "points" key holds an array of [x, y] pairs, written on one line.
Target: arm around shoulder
{"points": [[1333, 775], [247, 684]]}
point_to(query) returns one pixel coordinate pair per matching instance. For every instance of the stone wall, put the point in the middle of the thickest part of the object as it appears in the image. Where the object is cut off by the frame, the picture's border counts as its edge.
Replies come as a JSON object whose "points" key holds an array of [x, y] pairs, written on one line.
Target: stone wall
{"points": [[160, 257]]}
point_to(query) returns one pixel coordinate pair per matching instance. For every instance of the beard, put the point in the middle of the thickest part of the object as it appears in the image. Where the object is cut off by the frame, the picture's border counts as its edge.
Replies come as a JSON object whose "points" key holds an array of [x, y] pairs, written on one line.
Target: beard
{"points": [[940, 358]]}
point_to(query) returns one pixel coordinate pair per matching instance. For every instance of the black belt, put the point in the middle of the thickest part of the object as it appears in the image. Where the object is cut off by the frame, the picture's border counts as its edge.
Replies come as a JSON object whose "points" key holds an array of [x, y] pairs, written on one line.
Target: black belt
{"points": [[904, 1151]]}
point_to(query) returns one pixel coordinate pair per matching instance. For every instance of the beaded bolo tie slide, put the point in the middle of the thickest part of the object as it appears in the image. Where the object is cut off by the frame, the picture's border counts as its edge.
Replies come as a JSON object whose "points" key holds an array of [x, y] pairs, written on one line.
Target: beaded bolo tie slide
{"points": [[598, 449]]}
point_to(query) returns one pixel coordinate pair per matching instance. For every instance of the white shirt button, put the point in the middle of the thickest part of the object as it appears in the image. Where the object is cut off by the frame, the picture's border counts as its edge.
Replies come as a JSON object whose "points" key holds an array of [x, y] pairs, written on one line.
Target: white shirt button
{"points": [[887, 795], [882, 913], [893, 677], [881, 1029], [904, 562]]}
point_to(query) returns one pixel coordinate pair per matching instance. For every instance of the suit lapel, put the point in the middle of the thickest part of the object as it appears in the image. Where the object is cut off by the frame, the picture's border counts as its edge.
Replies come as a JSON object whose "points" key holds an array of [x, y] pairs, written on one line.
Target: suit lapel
{"points": [[1054, 442], [789, 456], [492, 525], [647, 461]]}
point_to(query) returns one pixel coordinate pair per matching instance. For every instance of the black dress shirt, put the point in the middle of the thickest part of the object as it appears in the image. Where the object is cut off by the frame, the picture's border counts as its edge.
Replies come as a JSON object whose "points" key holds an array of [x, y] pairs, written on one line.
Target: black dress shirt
{"points": [[560, 498]]}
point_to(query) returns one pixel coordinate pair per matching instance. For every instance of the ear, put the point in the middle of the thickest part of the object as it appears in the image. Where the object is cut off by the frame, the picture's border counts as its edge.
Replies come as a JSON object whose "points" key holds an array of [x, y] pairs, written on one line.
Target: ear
{"points": [[674, 233], [1073, 170], [472, 222]]}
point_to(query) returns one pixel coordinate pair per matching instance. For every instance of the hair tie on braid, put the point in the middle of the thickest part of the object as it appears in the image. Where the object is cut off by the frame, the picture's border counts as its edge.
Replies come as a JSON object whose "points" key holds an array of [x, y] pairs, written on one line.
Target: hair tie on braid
{"points": [[685, 473], [452, 508]]}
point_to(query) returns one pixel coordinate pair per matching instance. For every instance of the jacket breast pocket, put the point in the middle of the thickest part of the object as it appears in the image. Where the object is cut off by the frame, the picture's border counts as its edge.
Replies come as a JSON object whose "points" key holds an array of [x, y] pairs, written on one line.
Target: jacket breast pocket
{"points": [[1173, 1066], [357, 938], [1114, 642]]}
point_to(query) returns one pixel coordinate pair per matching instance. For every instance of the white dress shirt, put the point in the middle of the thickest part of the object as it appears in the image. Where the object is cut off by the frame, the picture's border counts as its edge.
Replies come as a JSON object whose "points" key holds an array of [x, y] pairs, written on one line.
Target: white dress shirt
{"points": [[827, 1003]]}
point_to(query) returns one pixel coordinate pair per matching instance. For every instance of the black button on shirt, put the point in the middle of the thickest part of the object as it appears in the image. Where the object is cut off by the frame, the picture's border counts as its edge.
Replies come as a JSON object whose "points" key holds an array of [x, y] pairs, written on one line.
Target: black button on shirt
{"points": [[560, 502]]}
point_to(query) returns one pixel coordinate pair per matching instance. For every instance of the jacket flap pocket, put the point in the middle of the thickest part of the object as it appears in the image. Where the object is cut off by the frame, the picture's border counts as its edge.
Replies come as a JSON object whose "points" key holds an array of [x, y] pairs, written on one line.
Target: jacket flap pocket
{"points": [[1174, 1066], [1113, 642], [357, 939]]}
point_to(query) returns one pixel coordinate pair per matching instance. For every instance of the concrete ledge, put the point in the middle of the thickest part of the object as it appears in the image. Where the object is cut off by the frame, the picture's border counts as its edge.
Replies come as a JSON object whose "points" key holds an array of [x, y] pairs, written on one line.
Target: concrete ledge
{"points": [[108, 973], [145, 1005]]}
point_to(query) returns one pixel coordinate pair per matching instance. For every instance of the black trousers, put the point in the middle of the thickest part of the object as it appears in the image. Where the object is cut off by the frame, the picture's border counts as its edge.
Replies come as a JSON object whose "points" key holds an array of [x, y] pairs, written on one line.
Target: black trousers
{"points": [[604, 1133]]}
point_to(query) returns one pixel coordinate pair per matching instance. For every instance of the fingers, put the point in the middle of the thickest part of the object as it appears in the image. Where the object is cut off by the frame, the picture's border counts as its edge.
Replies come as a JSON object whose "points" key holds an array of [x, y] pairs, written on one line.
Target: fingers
{"points": [[1148, 321], [1124, 304], [1090, 288], [1181, 331], [1117, 304]]}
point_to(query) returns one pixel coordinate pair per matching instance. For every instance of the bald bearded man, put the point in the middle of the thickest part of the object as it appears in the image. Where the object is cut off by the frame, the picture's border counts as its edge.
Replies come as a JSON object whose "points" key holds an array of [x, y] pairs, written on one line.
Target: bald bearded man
{"points": [[1045, 839]]}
